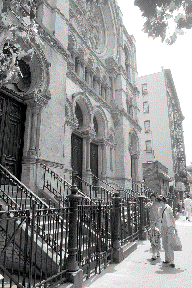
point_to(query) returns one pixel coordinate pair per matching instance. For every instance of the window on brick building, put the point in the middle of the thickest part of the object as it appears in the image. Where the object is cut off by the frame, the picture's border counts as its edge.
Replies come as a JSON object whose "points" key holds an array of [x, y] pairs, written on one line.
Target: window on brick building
{"points": [[144, 89], [145, 107], [147, 126], [148, 147]]}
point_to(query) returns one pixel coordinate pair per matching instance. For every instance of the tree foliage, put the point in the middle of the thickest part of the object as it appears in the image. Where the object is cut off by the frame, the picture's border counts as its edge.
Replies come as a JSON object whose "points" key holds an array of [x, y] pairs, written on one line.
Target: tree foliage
{"points": [[166, 18]]}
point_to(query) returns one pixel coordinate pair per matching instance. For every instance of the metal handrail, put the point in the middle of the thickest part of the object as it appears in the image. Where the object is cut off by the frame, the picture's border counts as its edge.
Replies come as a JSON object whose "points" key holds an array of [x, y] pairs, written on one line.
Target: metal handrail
{"points": [[108, 192], [63, 181], [30, 194], [22, 186]]}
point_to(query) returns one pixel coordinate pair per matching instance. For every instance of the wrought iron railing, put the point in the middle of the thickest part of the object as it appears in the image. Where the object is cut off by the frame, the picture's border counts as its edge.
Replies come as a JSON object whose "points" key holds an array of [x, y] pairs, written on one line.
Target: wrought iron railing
{"points": [[22, 195], [58, 186], [97, 192], [136, 190], [28, 235], [38, 238], [25, 257], [129, 221], [17, 196], [131, 215], [94, 249], [110, 186]]}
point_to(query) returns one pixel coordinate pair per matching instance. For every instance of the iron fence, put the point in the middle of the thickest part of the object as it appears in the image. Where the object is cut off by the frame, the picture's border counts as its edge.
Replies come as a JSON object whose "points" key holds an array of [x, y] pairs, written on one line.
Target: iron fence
{"points": [[14, 190], [40, 243], [130, 216], [58, 186], [33, 246], [94, 237]]}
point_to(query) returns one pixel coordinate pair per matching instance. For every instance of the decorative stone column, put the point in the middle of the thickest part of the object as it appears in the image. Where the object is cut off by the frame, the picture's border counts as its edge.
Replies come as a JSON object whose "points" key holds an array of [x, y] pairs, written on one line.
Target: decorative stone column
{"points": [[30, 149], [87, 174]]}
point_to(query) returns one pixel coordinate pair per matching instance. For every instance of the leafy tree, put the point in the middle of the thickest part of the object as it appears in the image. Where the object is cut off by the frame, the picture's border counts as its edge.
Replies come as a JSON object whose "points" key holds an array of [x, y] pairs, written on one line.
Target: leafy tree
{"points": [[166, 18]]}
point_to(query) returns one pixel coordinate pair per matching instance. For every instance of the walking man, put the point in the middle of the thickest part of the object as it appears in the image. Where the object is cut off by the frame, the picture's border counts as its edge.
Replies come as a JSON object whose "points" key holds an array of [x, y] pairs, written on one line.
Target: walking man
{"points": [[167, 231], [188, 205]]}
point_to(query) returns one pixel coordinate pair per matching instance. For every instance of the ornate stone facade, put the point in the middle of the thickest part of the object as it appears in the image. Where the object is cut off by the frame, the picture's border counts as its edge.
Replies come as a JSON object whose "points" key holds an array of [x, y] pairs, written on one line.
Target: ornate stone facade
{"points": [[83, 72]]}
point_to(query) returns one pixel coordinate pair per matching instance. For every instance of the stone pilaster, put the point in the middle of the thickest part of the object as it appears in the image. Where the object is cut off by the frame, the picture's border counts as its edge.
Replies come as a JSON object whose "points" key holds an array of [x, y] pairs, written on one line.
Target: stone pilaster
{"points": [[29, 168]]}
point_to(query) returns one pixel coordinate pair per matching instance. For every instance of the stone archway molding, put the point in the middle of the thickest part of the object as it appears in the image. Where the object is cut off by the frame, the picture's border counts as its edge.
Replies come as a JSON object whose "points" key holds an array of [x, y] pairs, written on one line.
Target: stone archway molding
{"points": [[22, 45]]}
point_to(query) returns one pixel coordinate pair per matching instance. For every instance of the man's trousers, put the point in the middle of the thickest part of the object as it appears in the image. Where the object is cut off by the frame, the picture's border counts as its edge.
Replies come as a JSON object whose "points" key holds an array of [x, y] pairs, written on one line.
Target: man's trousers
{"points": [[167, 235]]}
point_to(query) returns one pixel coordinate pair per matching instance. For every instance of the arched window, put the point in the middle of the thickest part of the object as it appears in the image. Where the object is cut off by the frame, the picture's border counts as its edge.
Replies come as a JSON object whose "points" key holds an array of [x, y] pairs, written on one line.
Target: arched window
{"points": [[25, 77], [79, 115], [77, 66], [95, 124]]}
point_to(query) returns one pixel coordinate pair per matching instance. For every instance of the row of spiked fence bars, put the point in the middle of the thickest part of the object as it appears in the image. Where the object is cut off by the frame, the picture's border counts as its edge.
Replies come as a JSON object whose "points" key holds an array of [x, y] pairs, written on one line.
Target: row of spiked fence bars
{"points": [[43, 244]]}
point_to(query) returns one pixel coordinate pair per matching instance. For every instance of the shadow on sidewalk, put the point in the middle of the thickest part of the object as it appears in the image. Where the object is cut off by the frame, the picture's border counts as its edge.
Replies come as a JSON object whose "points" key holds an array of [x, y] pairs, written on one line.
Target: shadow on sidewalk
{"points": [[94, 277], [154, 262], [169, 270]]}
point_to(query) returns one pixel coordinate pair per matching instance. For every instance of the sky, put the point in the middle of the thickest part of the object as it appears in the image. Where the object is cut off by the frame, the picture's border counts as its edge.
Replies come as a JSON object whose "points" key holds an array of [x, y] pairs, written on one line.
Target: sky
{"points": [[152, 55]]}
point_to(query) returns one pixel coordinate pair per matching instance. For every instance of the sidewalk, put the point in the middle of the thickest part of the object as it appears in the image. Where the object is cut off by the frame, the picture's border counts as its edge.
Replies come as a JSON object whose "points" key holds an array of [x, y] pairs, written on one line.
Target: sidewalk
{"points": [[138, 271]]}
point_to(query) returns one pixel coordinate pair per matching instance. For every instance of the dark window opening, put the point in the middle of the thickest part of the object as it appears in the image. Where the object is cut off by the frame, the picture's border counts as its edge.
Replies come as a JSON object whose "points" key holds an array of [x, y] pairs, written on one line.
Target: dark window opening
{"points": [[79, 115], [95, 124]]}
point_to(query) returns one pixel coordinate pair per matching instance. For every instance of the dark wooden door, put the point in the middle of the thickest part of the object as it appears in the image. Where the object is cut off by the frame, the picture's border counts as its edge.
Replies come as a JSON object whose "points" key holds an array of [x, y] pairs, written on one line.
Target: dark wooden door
{"points": [[94, 161], [12, 118], [77, 157]]}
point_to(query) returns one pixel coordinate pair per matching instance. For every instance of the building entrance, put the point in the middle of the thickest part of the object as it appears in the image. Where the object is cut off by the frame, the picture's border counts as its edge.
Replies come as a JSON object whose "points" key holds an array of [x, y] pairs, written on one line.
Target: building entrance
{"points": [[12, 119]]}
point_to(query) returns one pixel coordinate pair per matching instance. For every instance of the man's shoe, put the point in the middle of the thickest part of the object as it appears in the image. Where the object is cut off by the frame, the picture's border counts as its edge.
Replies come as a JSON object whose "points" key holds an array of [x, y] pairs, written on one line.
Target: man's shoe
{"points": [[172, 265], [153, 258], [166, 262]]}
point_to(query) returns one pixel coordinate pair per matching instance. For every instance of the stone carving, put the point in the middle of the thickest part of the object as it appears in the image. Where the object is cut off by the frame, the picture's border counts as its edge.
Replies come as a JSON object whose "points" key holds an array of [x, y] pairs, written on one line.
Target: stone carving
{"points": [[90, 25], [10, 55]]}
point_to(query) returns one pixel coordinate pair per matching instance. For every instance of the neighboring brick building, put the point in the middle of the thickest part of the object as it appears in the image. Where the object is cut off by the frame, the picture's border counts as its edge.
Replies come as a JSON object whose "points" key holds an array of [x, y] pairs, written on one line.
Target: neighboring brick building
{"points": [[78, 96], [155, 176], [161, 120]]}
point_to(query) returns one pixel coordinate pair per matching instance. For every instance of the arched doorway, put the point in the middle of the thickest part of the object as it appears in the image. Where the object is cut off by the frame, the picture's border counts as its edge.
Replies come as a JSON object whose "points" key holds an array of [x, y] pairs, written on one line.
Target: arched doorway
{"points": [[12, 119]]}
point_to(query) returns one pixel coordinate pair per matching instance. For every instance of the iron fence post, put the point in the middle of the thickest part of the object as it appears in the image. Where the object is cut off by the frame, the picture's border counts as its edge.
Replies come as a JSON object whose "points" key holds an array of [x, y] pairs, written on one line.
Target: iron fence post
{"points": [[31, 256], [117, 254], [142, 232], [74, 274]]}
